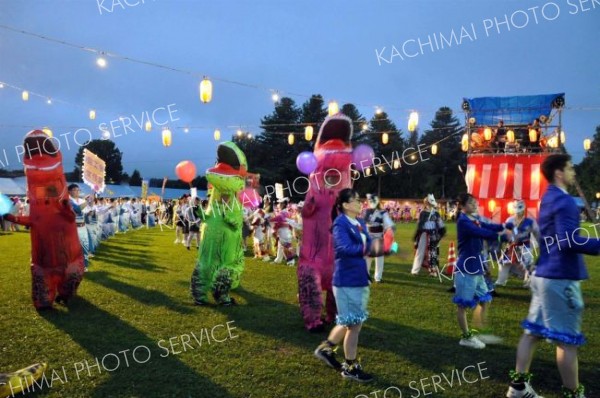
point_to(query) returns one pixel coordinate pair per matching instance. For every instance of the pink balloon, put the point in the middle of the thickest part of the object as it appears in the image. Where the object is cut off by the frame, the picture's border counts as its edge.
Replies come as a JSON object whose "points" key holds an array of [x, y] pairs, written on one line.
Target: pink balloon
{"points": [[186, 171], [249, 197], [362, 156], [306, 162]]}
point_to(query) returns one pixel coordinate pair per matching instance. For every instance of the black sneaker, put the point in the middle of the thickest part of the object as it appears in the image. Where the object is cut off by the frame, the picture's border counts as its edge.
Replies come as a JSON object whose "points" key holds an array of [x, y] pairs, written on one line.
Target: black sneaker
{"points": [[326, 354], [355, 372]]}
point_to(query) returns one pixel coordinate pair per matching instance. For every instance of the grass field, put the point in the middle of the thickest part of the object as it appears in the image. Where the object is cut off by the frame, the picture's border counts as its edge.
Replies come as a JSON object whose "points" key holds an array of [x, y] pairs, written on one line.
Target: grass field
{"points": [[136, 295]]}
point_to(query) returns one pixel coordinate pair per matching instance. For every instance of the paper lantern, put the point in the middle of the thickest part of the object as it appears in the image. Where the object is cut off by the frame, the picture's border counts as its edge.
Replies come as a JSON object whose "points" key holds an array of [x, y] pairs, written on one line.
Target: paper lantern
{"points": [[492, 205], [186, 171], [464, 142], [414, 116], [48, 132], [25, 95], [597, 195], [563, 137], [101, 62], [205, 90], [412, 126], [217, 134], [532, 135], [472, 120], [553, 142], [396, 163], [333, 108], [378, 111], [364, 127], [587, 144], [148, 126], [434, 149], [105, 134], [166, 137], [368, 172], [511, 208], [385, 138], [92, 114], [291, 139], [308, 133], [487, 133], [510, 136]]}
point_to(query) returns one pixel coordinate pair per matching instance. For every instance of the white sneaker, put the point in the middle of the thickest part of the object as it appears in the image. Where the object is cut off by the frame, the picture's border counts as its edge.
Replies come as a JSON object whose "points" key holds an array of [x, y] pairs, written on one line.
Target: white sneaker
{"points": [[266, 258], [472, 342], [291, 263], [176, 241], [490, 339], [525, 391]]}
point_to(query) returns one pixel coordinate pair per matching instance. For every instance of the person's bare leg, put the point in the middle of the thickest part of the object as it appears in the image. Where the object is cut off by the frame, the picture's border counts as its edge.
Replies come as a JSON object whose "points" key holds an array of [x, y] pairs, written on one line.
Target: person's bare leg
{"points": [[479, 315], [461, 316], [525, 351], [351, 341], [337, 334], [568, 366]]}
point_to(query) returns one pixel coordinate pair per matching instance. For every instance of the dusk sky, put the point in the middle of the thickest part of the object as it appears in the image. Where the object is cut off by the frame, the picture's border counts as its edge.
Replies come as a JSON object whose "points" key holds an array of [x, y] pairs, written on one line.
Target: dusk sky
{"points": [[303, 47]]}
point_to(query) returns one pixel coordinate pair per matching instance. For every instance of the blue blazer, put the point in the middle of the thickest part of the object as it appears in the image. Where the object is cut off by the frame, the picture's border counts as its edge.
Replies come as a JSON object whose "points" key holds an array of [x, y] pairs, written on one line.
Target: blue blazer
{"points": [[470, 243], [561, 245], [350, 266]]}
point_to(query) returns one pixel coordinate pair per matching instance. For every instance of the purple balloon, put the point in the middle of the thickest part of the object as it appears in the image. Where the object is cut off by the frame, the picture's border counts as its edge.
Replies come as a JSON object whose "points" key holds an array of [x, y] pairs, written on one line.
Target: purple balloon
{"points": [[362, 156], [306, 162]]}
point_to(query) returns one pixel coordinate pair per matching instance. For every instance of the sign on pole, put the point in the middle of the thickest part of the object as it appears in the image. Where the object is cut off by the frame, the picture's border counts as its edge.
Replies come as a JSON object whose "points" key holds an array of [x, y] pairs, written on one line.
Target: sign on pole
{"points": [[94, 171]]}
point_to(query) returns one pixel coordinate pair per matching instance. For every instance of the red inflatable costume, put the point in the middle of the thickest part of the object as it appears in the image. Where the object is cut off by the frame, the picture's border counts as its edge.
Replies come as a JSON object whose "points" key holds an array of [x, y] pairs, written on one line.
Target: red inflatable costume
{"points": [[333, 151], [57, 263]]}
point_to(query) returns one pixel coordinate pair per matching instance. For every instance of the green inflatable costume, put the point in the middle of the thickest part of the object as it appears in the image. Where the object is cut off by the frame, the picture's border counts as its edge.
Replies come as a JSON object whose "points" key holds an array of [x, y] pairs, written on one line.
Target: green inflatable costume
{"points": [[221, 257]]}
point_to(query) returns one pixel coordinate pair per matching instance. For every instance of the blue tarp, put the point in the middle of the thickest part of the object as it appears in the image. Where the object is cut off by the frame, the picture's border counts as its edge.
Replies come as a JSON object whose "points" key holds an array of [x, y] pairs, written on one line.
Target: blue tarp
{"points": [[522, 110]]}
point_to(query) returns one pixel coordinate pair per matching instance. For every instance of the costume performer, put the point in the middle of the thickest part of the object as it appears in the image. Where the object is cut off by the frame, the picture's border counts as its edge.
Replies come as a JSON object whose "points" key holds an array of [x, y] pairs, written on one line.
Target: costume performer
{"points": [[221, 258], [57, 263], [333, 150], [519, 255], [378, 222], [430, 231]]}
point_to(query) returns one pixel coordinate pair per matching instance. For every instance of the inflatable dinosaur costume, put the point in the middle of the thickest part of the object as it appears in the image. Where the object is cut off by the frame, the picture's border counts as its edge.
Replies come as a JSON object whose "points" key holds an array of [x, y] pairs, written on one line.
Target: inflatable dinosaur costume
{"points": [[57, 262], [221, 258], [333, 151]]}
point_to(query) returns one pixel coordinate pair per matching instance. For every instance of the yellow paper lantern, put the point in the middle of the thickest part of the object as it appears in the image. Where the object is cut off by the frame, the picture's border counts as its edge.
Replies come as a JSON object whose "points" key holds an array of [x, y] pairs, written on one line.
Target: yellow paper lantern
{"points": [[597, 195], [291, 139], [368, 172], [385, 138], [553, 142], [587, 144], [487, 133], [533, 135], [308, 133], [464, 142], [148, 126], [166, 137], [206, 90], [510, 136], [333, 108], [434, 149], [25, 95], [396, 163], [563, 137], [511, 208], [239, 132], [92, 114], [492, 205], [48, 132], [217, 135], [412, 126]]}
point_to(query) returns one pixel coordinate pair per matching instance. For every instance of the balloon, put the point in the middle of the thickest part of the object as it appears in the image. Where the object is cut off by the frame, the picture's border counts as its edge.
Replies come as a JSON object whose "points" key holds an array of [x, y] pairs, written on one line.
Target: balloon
{"points": [[186, 171], [362, 157], [249, 198], [306, 162], [5, 204], [388, 240]]}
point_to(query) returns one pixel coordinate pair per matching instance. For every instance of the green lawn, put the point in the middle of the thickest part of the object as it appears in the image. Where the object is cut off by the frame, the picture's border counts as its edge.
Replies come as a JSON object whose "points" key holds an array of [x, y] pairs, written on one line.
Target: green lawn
{"points": [[136, 295]]}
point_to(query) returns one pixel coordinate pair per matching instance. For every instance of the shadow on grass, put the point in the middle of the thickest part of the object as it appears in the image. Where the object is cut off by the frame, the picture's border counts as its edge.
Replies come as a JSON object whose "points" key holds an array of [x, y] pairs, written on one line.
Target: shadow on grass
{"points": [[127, 258], [101, 333], [144, 296]]}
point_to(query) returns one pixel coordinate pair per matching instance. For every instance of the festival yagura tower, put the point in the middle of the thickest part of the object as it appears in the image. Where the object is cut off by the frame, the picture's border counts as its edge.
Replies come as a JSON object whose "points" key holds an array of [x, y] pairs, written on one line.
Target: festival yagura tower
{"points": [[504, 162]]}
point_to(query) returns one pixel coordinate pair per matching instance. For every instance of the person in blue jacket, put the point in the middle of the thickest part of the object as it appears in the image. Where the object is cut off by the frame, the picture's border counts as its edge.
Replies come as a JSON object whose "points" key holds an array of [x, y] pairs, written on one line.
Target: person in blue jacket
{"points": [[556, 305], [471, 289], [351, 243]]}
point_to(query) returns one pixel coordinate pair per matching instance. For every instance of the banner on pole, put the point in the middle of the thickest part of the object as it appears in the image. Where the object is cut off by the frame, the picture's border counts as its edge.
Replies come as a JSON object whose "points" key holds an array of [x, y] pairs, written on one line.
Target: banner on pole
{"points": [[144, 189], [94, 171]]}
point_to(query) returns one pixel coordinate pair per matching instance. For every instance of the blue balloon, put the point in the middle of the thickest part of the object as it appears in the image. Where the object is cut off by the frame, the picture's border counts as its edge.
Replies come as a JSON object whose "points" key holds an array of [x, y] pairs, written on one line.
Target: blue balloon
{"points": [[5, 204]]}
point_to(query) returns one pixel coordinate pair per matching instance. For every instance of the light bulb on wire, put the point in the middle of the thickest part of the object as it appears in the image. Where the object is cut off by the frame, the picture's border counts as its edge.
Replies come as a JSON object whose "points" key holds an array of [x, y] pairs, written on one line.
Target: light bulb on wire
{"points": [[101, 62], [275, 97]]}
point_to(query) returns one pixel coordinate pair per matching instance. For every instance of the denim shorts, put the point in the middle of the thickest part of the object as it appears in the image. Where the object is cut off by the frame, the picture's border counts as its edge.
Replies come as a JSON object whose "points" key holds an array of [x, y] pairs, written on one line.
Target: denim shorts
{"points": [[351, 305], [470, 290], [556, 310]]}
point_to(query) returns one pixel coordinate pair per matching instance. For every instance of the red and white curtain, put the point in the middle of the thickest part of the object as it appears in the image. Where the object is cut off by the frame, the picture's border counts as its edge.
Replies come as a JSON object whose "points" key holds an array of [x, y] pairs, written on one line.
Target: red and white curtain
{"points": [[497, 180]]}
